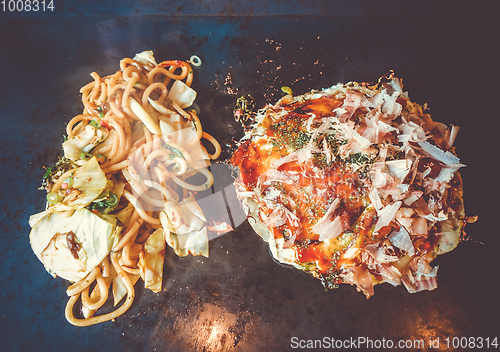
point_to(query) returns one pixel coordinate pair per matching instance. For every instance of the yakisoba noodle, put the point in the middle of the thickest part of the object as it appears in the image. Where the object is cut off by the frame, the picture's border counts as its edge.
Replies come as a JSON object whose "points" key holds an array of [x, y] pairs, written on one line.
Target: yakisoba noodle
{"points": [[132, 161]]}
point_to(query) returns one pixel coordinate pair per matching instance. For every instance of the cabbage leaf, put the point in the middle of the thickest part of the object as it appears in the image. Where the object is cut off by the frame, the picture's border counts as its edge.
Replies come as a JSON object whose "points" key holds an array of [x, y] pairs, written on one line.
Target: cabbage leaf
{"points": [[49, 241], [151, 263], [88, 183]]}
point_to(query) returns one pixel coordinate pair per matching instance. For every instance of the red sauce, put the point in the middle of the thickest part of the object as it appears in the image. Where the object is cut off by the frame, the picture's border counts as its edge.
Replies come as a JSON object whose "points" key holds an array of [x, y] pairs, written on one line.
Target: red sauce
{"points": [[310, 196], [246, 157], [299, 193], [429, 163]]}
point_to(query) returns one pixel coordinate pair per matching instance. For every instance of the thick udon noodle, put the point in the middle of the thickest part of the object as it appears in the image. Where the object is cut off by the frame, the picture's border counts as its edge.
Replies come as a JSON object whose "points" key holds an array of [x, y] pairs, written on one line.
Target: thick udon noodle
{"points": [[152, 162]]}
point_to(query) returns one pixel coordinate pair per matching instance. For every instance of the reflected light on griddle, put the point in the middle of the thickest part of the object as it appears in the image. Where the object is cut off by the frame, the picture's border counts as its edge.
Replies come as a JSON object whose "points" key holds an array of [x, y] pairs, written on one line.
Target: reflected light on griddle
{"points": [[212, 329], [432, 330], [215, 335]]}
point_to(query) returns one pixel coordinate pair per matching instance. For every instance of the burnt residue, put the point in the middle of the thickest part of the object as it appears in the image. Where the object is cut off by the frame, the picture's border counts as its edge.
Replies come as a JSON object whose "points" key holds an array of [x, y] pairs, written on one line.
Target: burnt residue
{"points": [[72, 243]]}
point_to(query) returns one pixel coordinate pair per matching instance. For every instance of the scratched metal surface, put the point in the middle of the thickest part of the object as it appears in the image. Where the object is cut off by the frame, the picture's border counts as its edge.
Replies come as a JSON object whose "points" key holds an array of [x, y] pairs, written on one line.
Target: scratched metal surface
{"points": [[239, 299]]}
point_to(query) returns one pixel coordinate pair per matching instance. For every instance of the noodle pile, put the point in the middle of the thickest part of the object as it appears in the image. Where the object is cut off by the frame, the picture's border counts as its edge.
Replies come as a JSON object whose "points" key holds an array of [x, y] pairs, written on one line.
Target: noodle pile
{"points": [[133, 162]]}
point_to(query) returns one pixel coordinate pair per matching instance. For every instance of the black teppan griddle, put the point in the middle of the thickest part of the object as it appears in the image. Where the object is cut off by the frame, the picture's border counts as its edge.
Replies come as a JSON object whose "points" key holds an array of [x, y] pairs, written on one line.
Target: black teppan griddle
{"points": [[239, 299]]}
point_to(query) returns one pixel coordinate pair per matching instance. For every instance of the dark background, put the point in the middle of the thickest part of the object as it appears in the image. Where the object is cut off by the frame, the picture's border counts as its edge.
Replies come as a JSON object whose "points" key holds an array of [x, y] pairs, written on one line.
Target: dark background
{"points": [[239, 299]]}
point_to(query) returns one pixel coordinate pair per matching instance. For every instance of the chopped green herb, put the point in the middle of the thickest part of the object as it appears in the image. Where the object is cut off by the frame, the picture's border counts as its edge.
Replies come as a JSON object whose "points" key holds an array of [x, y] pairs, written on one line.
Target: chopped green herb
{"points": [[357, 158], [48, 171], [86, 156], [175, 151], [68, 181], [101, 158], [95, 123], [54, 197], [286, 90], [53, 172], [101, 113], [106, 205], [289, 133], [332, 280]]}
